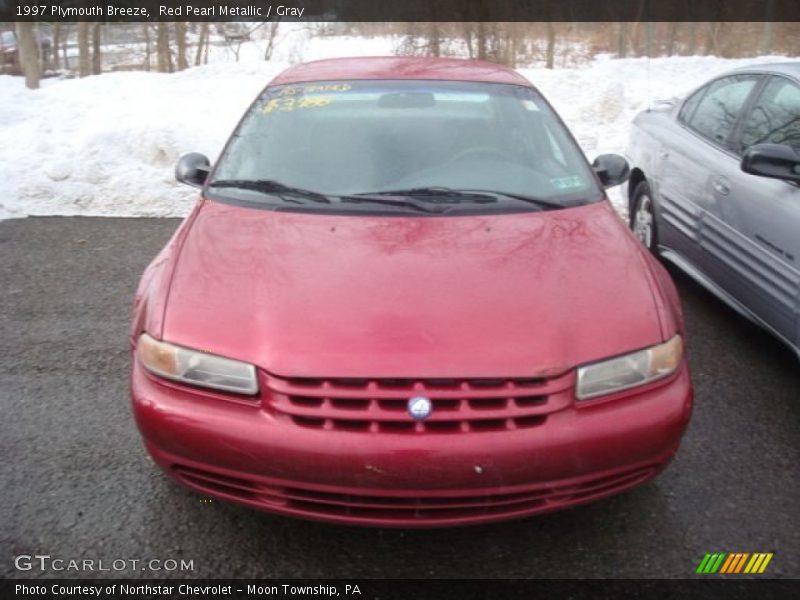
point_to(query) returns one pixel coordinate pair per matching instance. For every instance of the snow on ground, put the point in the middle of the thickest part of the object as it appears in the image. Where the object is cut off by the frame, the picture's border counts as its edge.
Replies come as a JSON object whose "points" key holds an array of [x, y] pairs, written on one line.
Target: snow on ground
{"points": [[106, 145]]}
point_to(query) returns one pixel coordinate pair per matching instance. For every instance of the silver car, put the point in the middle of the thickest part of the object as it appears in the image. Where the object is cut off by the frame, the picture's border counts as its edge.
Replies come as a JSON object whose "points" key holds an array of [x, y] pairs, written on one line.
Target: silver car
{"points": [[715, 189]]}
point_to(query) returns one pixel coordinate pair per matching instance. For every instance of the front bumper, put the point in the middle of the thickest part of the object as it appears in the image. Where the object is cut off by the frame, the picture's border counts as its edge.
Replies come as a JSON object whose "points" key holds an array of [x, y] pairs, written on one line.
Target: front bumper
{"points": [[244, 453]]}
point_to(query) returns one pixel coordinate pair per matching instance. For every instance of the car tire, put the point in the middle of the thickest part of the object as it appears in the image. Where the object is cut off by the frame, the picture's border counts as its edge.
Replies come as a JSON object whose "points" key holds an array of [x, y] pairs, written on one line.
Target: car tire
{"points": [[643, 217]]}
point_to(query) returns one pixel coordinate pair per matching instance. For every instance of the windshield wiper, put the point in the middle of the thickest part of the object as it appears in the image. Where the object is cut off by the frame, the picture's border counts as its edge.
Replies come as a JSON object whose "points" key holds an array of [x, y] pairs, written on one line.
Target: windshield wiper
{"points": [[386, 200], [549, 204], [270, 186], [437, 192], [476, 196]]}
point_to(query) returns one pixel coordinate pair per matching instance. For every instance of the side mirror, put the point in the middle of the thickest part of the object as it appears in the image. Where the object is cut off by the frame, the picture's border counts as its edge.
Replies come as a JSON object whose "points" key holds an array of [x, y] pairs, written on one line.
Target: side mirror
{"points": [[778, 161], [612, 169], [193, 169]]}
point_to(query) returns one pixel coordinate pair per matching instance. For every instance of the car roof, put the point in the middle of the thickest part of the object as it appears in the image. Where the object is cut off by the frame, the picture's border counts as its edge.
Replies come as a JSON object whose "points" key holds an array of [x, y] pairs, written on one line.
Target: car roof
{"points": [[400, 67], [791, 68]]}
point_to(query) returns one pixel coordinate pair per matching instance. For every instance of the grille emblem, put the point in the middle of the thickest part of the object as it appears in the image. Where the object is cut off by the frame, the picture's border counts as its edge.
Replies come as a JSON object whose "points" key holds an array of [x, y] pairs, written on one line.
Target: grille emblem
{"points": [[420, 407]]}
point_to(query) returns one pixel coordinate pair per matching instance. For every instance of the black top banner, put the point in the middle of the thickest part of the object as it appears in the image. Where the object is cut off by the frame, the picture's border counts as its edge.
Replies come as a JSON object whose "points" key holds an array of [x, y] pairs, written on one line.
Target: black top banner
{"points": [[399, 10]]}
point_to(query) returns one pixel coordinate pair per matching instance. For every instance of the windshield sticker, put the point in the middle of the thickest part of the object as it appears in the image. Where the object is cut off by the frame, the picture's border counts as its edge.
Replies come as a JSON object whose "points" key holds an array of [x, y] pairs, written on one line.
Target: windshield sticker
{"points": [[316, 88], [530, 105], [289, 104], [567, 183]]}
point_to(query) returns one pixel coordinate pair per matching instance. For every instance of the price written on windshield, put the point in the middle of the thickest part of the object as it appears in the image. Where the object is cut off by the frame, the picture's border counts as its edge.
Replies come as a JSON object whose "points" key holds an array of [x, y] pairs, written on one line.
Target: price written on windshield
{"points": [[289, 104]]}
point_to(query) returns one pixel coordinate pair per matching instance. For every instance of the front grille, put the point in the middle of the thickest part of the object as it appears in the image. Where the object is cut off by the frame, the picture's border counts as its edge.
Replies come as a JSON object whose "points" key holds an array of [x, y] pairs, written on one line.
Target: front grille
{"points": [[380, 405], [409, 507]]}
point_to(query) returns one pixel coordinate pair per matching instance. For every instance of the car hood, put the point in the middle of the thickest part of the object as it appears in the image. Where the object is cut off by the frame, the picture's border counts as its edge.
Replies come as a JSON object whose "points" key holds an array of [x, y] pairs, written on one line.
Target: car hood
{"points": [[320, 295]]}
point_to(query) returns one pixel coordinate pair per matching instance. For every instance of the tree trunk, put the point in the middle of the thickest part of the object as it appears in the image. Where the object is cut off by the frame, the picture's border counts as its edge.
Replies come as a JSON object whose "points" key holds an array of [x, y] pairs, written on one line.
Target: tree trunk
{"points": [[56, 43], [467, 33], [64, 44], [84, 56], [622, 41], [692, 38], [97, 54], [272, 32], [673, 34], [147, 51], [766, 37], [711, 40], [163, 55], [481, 40], [513, 45], [766, 32], [180, 38], [649, 38], [203, 39], [434, 46], [28, 54], [551, 45]]}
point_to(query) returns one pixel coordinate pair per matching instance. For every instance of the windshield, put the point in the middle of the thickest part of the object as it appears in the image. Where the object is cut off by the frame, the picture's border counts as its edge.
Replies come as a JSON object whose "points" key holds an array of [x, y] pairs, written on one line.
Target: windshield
{"points": [[376, 137]]}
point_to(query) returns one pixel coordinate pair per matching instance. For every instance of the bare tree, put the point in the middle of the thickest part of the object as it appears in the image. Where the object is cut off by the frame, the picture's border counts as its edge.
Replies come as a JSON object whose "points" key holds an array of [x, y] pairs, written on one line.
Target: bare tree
{"points": [[649, 37], [163, 54], [84, 56], [551, 45], [712, 39], [180, 38], [65, 28], [235, 35], [480, 40], [766, 32], [466, 34], [434, 39], [671, 37], [622, 40], [97, 56], [147, 52], [513, 42], [56, 45], [272, 32], [28, 54], [692, 38], [203, 40]]}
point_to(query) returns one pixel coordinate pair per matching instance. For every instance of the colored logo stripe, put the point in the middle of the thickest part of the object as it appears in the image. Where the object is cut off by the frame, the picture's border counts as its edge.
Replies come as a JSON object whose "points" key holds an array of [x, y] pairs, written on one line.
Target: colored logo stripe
{"points": [[711, 563], [734, 562], [758, 563]]}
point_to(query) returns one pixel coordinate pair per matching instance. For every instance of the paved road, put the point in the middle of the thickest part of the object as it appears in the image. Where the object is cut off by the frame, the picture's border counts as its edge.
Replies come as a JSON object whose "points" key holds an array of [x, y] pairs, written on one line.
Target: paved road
{"points": [[76, 482]]}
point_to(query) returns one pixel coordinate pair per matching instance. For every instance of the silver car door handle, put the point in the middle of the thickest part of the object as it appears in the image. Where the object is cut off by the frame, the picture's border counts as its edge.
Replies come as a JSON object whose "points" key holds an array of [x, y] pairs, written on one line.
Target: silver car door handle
{"points": [[663, 154], [720, 185]]}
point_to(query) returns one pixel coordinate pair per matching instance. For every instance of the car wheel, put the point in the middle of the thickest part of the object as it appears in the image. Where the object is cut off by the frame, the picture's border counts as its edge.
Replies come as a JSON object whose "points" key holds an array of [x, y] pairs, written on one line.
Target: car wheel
{"points": [[643, 217]]}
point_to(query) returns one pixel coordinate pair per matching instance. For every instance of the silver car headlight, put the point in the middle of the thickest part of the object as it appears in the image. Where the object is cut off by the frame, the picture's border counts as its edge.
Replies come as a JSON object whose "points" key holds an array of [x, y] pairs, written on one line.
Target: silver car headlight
{"points": [[630, 370], [196, 368]]}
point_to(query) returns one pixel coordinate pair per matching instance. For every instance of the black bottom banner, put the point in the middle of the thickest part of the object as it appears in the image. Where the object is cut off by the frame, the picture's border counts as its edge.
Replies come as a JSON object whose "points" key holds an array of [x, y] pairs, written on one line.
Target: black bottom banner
{"points": [[384, 589]]}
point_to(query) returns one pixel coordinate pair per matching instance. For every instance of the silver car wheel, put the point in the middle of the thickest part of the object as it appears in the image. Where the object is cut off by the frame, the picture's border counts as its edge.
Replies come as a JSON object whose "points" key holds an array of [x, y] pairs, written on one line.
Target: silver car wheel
{"points": [[643, 221]]}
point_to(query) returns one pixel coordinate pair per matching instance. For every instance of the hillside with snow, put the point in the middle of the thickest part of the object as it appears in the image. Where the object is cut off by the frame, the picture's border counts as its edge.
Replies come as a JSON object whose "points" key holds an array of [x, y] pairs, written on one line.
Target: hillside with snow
{"points": [[106, 145]]}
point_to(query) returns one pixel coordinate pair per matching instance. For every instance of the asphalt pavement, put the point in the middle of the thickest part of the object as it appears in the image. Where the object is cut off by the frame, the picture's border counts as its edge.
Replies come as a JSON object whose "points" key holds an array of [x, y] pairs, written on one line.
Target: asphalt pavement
{"points": [[77, 484]]}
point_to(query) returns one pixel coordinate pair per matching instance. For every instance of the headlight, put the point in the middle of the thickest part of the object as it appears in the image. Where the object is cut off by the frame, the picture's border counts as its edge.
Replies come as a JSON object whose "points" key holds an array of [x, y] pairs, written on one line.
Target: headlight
{"points": [[196, 368], [629, 371]]}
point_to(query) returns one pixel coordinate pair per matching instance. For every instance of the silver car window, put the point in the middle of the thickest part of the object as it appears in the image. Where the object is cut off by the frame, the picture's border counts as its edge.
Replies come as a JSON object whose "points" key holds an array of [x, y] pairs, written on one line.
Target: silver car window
{"points": [[775, 118], [717, 111]]}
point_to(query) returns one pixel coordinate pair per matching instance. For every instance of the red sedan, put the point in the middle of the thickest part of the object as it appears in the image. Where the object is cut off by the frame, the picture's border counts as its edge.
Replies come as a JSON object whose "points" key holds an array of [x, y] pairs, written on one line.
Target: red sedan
{"points": [[403, 299]]}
